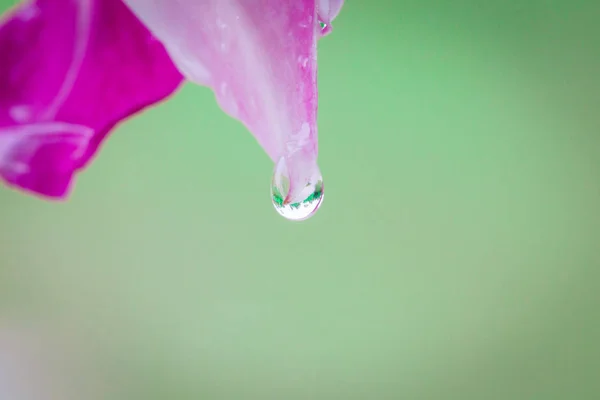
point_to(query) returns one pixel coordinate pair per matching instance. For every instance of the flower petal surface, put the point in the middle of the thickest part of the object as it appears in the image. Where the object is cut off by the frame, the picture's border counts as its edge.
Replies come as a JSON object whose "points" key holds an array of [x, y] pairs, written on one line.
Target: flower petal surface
{"points": [[260, 59], [71, 70]]}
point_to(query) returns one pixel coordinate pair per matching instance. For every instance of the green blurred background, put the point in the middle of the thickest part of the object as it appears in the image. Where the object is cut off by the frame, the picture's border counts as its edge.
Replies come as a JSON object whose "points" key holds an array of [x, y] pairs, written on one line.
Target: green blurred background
{"points": [[456, 255]]}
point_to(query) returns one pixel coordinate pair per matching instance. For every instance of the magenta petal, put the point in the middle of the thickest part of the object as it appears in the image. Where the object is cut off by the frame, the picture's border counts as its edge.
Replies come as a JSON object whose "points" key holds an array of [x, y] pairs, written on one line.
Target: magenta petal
{"points": [[260, 59], [70, 71]]}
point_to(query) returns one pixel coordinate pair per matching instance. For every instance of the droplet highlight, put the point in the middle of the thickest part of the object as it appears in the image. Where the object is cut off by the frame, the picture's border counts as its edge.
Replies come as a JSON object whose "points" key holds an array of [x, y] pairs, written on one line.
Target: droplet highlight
{"points": [[324, 28], [305, 204]]}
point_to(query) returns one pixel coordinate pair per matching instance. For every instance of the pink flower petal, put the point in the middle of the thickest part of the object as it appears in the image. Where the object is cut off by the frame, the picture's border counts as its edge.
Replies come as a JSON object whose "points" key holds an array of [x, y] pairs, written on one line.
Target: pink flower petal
{"points": [[260, 59], [327, 10], [70, 71]]}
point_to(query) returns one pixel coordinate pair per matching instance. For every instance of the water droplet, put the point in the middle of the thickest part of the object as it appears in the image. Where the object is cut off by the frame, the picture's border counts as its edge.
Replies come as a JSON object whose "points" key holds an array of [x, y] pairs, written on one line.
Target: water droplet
{"points": [[302, 206], [325, 28]]}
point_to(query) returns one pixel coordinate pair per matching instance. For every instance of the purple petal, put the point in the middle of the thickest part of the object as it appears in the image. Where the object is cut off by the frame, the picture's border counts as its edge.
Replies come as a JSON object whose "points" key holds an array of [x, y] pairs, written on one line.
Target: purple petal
{"points": [[260, 59], [70, 71]]}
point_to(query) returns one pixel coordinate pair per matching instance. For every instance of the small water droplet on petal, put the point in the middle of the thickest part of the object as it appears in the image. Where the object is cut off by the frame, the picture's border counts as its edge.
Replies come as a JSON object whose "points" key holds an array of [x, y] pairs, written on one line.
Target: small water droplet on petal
{"points": [[325, 28]]}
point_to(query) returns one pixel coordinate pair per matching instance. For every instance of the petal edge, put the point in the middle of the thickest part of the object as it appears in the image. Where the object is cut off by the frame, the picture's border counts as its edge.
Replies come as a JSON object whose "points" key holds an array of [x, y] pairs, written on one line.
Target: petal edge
{"points": [[67, 66]]}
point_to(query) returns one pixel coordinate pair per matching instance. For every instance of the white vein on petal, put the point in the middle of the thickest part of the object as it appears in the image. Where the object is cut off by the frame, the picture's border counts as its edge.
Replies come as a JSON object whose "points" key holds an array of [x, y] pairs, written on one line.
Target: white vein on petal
{"points": [[82, 33], [51, 132]]}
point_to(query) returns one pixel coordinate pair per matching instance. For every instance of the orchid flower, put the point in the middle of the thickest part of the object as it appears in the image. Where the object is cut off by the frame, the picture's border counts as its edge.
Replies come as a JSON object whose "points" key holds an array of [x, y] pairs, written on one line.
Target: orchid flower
{"points": [[72, 70]]}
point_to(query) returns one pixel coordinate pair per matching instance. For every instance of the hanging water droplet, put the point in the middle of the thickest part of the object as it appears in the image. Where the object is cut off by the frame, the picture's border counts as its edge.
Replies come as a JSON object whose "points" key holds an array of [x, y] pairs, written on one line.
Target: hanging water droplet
{"points": [[302, 206], [325, 28]]}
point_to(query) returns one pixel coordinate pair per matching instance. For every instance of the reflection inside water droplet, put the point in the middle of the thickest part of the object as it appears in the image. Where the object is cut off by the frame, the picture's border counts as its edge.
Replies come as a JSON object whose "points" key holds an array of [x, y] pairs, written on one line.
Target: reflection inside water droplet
{"points": [[302, 206], [325, 28]]}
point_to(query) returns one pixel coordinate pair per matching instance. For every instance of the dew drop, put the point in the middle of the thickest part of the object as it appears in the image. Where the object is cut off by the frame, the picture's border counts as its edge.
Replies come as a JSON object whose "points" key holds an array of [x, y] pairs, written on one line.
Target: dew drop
{"points": [[325, 28], [302, 206]]}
